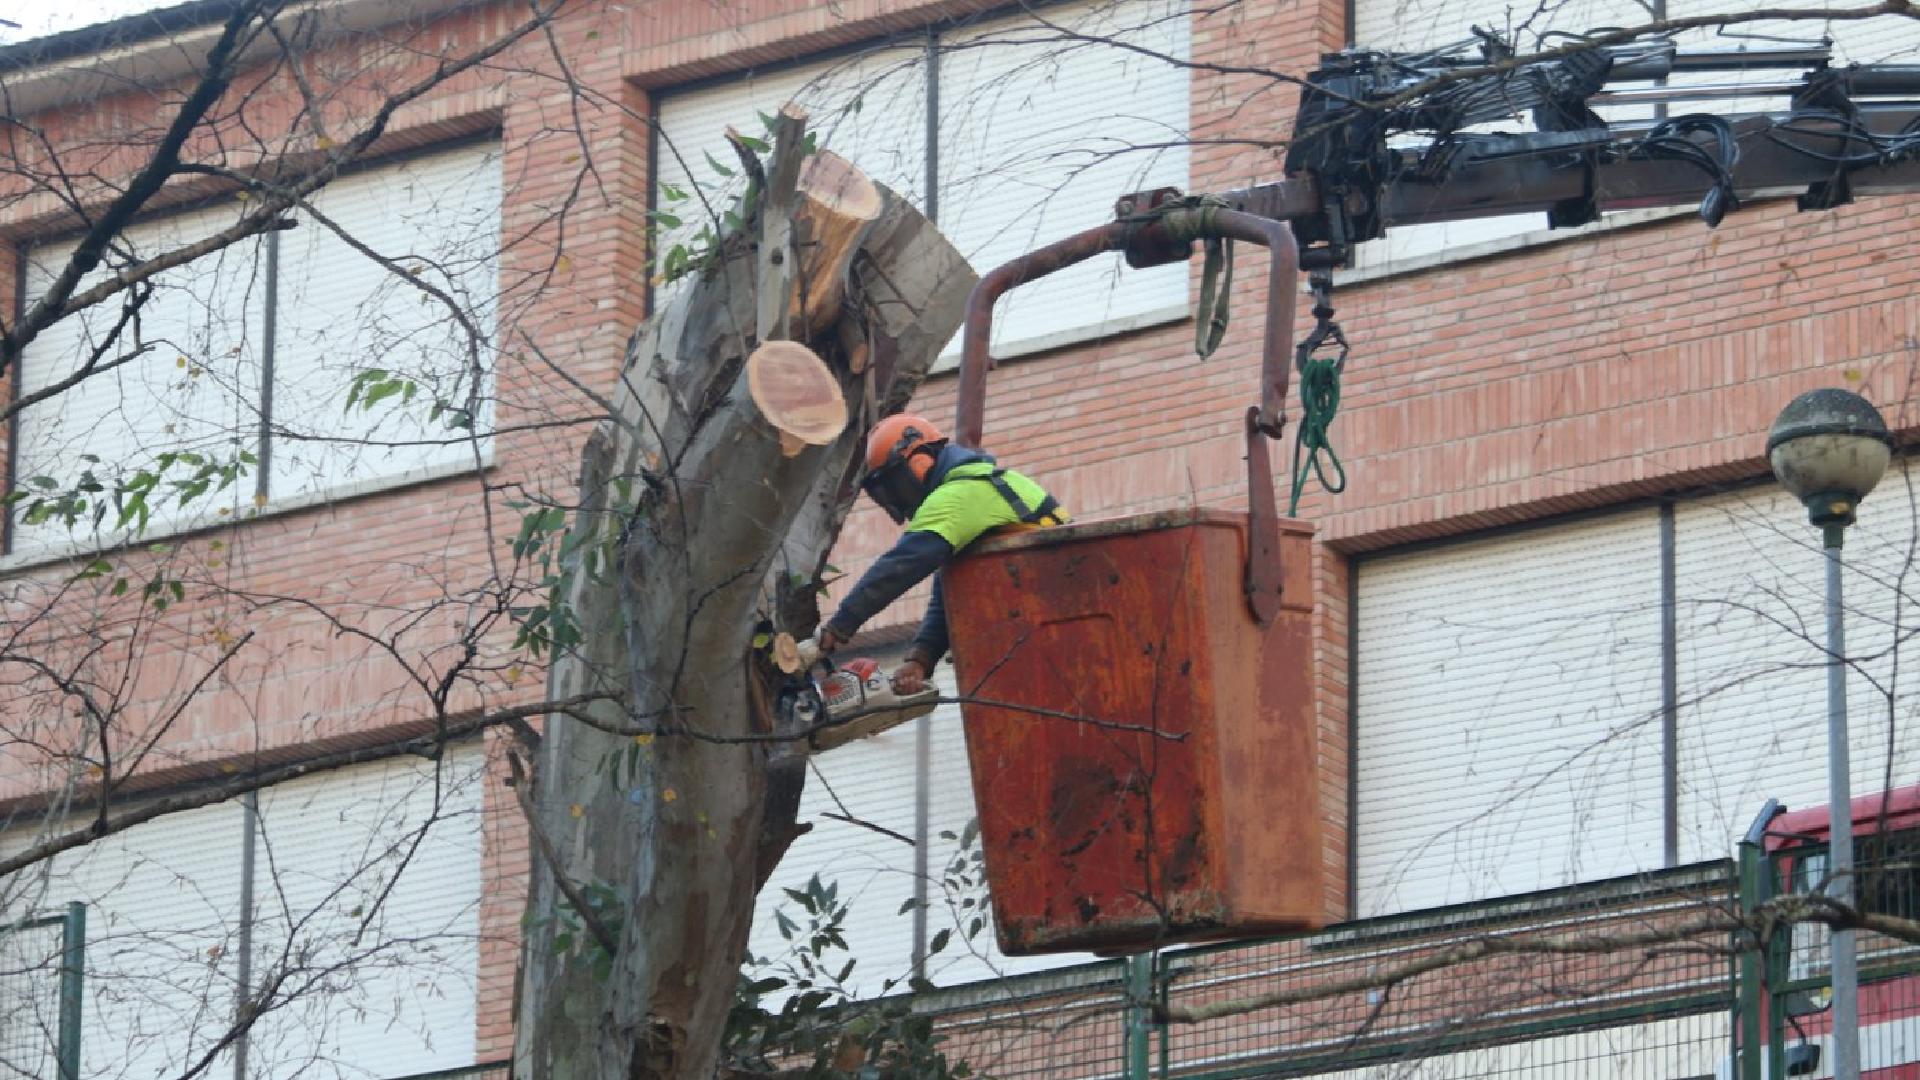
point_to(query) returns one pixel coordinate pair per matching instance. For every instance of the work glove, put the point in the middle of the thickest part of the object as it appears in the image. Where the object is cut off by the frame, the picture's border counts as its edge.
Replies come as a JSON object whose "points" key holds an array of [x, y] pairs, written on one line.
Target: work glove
{"points": [[910, 677]]}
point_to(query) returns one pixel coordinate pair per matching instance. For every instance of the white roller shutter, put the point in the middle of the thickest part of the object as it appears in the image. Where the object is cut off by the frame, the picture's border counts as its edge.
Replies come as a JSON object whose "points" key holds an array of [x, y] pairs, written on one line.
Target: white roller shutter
{"points": [[1508, 696], [367, 899], [872, 780], [1418, 25], [341, 313], [869, 108], [1887, 39], [1040, 133], [163, 929], [1750, 581], [1890, 39], [875, 780], [950, 807], [192, 383]]}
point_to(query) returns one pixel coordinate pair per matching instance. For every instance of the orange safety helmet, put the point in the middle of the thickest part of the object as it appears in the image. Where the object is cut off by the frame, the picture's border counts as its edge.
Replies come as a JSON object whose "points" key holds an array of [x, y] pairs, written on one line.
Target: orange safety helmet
{"points": [[900, 453]]}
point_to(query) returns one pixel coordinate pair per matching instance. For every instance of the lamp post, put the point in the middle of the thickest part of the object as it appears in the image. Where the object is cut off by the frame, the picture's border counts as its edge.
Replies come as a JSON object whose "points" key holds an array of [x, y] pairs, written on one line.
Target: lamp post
{"points": [[1829, 448]]}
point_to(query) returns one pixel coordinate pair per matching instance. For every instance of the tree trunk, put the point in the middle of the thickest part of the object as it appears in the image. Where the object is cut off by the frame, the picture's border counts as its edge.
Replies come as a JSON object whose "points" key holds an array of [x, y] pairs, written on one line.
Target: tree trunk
{"points": [[659, 822]]}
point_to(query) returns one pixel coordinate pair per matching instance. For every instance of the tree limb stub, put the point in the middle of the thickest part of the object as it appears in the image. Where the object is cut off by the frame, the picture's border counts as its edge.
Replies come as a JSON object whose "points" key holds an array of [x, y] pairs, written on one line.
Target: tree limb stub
{"points": [[798, 394], [777, 270], [836, 203]]}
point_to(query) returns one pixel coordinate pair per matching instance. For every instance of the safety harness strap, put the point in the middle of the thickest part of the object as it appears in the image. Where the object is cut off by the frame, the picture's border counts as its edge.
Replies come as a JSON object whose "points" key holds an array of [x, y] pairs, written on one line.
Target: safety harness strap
{"points": [[1047, 513]]}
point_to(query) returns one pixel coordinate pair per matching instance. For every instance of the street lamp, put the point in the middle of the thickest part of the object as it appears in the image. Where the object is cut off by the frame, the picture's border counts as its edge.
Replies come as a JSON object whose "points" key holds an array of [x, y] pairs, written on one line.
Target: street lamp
{"points": [[1829, 448]]}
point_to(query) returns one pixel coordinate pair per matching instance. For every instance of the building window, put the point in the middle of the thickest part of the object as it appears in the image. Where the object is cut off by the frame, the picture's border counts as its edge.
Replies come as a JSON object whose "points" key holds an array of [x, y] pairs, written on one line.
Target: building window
{"points": [[1036, 133], [1539, 707], [363, 934], [1421, 25], [247, 356], [1507, 729]]}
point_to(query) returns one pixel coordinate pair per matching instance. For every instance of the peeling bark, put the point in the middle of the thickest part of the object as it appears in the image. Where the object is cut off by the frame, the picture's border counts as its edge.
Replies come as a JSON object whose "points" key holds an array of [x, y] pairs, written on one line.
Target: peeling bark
{"points": [[720, 519]]}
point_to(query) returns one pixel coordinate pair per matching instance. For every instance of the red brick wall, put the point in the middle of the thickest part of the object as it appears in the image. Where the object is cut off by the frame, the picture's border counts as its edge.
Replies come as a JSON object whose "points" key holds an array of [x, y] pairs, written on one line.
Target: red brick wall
{"points": [[1573, 374]]}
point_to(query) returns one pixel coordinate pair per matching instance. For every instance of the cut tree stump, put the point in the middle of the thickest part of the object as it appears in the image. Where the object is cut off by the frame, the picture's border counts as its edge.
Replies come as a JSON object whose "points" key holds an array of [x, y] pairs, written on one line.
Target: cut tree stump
{"points": [[797, 392], [836, 204]]}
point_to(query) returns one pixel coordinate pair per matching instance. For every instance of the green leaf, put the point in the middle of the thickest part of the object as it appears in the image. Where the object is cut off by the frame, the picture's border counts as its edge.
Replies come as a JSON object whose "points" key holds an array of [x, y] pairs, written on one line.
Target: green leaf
{"points": [[382, 392], [758, 146], [939, 941], [715, 165], [135, 506]]}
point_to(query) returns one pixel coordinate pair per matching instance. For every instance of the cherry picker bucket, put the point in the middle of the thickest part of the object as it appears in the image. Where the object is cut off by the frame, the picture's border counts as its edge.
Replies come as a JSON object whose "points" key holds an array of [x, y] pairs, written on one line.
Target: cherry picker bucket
{"points": [[1138, 693]]}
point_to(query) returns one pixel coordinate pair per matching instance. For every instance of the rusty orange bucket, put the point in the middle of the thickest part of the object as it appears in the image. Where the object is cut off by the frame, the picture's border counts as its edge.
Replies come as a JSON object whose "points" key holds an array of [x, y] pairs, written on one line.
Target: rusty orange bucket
{"points": [[1143, 751]]}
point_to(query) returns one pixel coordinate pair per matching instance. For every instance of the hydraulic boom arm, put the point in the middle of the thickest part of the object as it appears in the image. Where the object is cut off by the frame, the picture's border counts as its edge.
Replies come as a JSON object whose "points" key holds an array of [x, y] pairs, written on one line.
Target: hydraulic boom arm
{"points": [[1383, 139]]}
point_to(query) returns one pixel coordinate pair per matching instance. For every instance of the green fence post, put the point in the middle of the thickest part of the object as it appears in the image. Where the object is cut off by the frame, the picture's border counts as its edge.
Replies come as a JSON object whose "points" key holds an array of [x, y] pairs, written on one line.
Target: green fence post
{"points": [[1139, 1026], [1750, 1044], [1779, 974], [73, 965], [1162, 982]]}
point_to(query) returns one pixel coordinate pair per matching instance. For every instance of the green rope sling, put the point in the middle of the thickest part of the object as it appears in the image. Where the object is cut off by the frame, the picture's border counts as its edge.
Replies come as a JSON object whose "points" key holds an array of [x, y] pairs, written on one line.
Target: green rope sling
{"points": [[1320, 359]]}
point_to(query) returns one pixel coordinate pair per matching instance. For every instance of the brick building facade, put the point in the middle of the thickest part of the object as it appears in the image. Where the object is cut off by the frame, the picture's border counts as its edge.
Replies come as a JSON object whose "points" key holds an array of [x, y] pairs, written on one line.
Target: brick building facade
{"points": [[1521, 417]]}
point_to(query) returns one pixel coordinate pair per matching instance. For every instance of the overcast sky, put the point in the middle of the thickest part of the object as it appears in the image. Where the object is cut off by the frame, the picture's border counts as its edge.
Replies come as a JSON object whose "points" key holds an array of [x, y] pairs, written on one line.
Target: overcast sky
{"points": [[39, 17]]}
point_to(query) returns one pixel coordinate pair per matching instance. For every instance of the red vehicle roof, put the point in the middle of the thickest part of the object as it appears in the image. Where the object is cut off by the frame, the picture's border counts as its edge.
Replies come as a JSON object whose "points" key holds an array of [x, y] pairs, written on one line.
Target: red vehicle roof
{"points": [[1900, 807]]}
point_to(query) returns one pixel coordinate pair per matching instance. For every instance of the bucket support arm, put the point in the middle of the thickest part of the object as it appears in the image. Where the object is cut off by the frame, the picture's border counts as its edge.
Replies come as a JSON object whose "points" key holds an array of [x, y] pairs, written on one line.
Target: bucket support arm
{"points": [[1171, 227]]}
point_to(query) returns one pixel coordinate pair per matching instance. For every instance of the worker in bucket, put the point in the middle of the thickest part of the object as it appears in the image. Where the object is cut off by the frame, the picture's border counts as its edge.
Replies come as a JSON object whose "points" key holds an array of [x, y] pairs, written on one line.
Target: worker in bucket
{"points": [[947, 496]]}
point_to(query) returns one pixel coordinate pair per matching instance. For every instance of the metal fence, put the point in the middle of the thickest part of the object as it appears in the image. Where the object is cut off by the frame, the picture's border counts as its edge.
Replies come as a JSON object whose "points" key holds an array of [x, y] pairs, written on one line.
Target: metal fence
{"points": [[1073, 1022], [1478, 990], [1786, 980], [1595, 980], [42, 965], [1493, 989]]}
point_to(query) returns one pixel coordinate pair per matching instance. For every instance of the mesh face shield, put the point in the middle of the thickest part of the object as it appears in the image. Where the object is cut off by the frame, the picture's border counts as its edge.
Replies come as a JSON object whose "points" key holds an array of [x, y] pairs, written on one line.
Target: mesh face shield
{"points": [[895, 489]]}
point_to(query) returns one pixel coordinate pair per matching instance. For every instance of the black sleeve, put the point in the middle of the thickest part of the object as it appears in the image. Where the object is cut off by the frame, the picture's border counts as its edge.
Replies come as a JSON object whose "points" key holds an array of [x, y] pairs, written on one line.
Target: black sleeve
{"points": [[904, 565], [930, 644]]}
